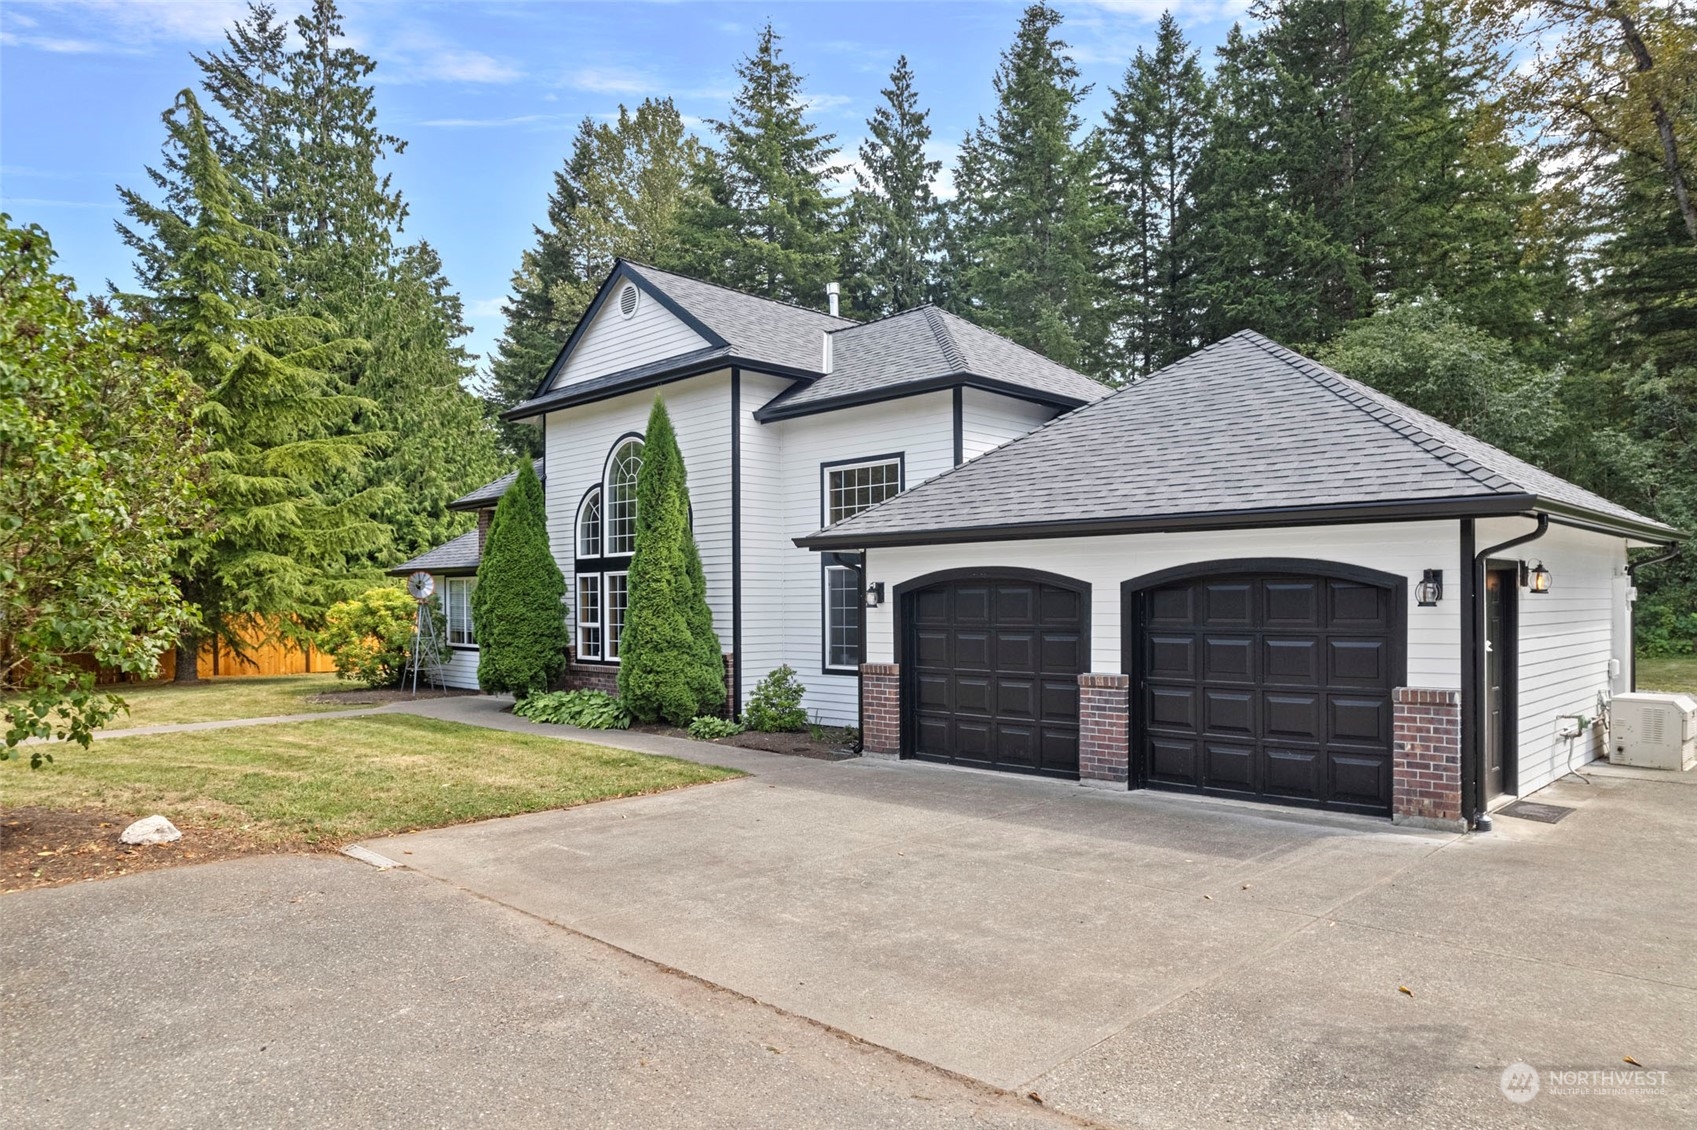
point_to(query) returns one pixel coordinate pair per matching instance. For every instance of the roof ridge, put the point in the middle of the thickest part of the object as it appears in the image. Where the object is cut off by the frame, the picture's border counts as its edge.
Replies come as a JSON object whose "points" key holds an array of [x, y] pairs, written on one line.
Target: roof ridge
{"points": [[945, 340], [1358, 396], [640, 266], [890, 317], [1016, 345]]}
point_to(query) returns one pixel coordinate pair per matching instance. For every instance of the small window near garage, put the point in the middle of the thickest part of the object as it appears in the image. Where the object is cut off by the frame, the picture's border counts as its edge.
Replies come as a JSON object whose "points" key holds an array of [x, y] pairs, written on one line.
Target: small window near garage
{"points": [[456, 609], [852, 487], [617, 602], [589, 616], [842, 618]]}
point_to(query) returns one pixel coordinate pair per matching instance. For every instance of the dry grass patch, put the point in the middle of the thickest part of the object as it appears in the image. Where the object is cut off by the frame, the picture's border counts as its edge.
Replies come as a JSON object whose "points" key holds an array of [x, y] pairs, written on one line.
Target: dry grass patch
{"points": [[326, 783], [218, 700], [1668, 673]]}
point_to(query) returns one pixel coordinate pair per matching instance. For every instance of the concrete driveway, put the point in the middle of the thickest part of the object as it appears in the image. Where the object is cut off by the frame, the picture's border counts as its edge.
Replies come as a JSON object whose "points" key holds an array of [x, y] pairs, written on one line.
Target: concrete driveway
{"points": [[1146, 959]]}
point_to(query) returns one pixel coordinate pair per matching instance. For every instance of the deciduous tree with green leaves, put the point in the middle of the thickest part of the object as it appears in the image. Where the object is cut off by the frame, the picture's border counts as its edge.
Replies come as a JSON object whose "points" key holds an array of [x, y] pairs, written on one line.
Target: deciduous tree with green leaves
{"points": [[105, 471], [670, 665], [518, 611]]}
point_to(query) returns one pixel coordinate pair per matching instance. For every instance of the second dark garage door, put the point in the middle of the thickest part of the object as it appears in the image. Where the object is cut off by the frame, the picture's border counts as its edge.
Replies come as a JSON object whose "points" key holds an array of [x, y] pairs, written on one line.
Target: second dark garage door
{"points": [[1271, 687], [992, 666]]}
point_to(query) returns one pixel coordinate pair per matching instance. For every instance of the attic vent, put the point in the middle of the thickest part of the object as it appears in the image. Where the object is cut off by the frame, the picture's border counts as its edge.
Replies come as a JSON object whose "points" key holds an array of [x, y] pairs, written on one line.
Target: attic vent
{"points": [[627, 301]]}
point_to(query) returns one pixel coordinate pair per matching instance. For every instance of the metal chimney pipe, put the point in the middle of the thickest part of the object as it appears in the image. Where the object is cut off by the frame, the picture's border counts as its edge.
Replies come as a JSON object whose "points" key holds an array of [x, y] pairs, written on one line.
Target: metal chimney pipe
{"points": [[832, 292]]}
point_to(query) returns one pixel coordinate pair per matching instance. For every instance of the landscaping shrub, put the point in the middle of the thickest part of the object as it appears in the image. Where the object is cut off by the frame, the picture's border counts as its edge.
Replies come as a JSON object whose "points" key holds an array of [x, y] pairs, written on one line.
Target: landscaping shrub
{"points": [[775, 705], [709, 726], [517, 612], [370, 636], [590, 710], [670, 666]]}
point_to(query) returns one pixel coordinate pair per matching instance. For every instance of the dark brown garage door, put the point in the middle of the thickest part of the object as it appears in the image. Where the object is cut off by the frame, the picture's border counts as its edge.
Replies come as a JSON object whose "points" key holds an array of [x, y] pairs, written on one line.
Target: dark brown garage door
{"points": [[1269, 687], [992, 668]]}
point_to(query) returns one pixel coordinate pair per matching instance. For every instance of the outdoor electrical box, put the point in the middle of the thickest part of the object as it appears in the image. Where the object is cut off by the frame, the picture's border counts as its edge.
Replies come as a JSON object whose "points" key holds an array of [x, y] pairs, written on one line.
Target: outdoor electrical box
{"points": [[1653, 731]]}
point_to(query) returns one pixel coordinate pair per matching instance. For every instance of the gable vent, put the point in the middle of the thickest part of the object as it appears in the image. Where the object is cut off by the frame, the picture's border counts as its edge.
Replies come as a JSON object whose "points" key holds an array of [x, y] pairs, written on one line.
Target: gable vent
{"points": [[627, 300]]}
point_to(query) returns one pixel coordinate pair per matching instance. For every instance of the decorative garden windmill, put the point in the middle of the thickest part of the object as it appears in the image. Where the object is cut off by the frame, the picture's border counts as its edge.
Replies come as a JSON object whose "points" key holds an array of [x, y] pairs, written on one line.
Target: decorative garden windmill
{"points": [[425, 644]]}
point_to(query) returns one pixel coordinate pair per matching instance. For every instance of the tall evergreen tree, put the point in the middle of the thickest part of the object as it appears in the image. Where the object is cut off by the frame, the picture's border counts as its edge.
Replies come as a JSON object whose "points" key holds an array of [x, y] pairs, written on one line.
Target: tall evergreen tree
{"points": [[1150, 141], [518, 614], [276, 422], [619, 195], [894, 213], [1026, 216], [670, 666], [765, 221]]}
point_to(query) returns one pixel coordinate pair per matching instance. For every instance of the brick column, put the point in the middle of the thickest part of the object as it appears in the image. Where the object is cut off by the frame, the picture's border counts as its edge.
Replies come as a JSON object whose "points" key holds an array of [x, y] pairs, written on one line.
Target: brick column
{"points": [[880, 710], [1104, 719], [484, 517], [1426, 772]]}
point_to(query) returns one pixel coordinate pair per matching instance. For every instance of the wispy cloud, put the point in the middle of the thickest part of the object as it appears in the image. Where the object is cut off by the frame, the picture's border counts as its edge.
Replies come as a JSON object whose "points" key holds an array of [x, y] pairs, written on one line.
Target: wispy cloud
{"points": [[488, 123], [613, 80]]}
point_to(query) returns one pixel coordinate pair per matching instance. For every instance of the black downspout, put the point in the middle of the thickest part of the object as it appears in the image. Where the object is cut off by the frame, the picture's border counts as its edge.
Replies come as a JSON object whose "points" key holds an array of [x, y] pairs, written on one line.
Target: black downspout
{"points": [[1632, 568], [736, 542], [960, 425], [859, 678], [1472, 712]]}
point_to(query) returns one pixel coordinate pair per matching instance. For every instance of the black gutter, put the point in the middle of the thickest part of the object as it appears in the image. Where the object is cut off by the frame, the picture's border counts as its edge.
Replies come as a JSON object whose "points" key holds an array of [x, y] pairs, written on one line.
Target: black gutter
{"points": [[1472, 656], [1632, 568], [1348, 513], [589, 392], [736, 542], [781, 409]]}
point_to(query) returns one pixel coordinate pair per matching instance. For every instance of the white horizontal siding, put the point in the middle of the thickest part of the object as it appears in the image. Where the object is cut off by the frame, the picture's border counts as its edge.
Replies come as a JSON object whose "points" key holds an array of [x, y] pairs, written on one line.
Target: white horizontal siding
{"points": [[578, 440], [1567, 637], [460, 671], [989, 419], [765, 547], [1404, 549], [613, 343]]}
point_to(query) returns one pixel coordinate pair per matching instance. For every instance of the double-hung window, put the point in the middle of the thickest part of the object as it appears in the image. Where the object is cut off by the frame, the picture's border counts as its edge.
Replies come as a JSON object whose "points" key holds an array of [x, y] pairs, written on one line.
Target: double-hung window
{"points": [[456, 609], [847, 489], [605, 539]]}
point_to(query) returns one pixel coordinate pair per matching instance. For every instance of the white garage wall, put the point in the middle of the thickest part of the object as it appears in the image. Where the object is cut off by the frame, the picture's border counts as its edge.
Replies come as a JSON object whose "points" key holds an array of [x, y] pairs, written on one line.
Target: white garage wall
{"points": [[1404, 548], [1567, 637]]}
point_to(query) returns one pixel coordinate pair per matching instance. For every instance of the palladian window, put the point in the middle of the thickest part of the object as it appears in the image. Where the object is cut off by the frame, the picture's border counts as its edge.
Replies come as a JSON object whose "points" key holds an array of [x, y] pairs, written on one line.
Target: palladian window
{"points": [[606, 538]]}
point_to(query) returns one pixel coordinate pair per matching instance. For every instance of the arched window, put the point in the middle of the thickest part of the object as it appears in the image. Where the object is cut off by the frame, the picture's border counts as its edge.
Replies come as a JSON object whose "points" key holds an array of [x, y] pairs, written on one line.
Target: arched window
{"points": [[621, 498], [606, 538]]}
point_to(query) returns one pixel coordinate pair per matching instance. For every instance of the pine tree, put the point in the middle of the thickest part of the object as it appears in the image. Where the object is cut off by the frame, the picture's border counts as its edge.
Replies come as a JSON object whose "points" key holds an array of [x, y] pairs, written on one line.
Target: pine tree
{"points": [[276, 422], [518, 614], [619, 195], [1026, 216], [1151, 140], [894, 214], [670, 666], [764, 221]]}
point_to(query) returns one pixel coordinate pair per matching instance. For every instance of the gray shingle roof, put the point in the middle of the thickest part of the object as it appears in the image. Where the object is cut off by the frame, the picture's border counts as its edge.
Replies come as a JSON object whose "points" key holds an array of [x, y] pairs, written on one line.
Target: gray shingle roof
{"points": [[460, 554], [757, 329], [1242, 426], [490, 493], [924, 347]]}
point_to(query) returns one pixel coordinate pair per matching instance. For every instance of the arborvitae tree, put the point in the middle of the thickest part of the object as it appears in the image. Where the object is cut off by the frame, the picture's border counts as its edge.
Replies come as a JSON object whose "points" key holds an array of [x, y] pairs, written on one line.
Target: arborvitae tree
{"points": [[619, 195], [518, 614], [1150, 143], [765, 222], [670, 666], [1027, 215], [276, 422], [894, 214]]}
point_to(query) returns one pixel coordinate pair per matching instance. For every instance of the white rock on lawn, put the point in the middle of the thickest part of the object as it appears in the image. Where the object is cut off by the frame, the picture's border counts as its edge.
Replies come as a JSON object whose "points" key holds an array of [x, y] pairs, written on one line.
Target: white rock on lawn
{"points": [[153, 830]]}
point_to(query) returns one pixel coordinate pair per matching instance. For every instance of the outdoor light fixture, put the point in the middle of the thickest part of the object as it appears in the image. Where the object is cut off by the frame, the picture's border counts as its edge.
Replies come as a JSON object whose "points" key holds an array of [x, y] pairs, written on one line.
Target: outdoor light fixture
{"points": [[1538, 580], [875, 594], [1430, 590]]}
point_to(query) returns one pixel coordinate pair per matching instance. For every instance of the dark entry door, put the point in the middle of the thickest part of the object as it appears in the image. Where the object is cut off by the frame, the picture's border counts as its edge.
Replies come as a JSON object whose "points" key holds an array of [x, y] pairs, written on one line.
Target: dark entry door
{"points": [[1273, 687], [992, 673], [1500, 588]]}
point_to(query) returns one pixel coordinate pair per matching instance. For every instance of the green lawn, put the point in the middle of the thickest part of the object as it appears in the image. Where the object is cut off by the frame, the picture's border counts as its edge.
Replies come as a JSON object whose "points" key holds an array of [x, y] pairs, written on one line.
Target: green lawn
{"points": [[216, 700], [1669, 673], [341, 779]]}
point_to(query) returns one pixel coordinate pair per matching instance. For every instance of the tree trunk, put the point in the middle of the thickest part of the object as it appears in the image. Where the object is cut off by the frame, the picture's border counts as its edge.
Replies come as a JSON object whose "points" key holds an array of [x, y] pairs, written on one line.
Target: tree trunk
{"points": [[1658, 112], [188, 658]]}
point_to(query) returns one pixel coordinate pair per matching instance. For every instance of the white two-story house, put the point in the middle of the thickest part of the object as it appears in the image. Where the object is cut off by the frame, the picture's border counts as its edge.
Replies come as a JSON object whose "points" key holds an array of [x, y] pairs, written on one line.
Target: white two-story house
{"points": [[788, 419]]}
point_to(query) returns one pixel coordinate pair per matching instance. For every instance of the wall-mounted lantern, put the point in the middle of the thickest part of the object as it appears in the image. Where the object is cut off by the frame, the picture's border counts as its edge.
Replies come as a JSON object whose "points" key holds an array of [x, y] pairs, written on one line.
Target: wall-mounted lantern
{"points": [[1538, 580], [1430, 590], [875, 594]]}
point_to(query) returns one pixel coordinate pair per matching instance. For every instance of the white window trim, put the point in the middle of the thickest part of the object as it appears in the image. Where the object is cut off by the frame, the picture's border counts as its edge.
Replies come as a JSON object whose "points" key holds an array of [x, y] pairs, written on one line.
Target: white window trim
{"points": [[609, 638], [600, 620], [607, 548], [825, 619], [898, 459], [449, 585], [592, 498]]}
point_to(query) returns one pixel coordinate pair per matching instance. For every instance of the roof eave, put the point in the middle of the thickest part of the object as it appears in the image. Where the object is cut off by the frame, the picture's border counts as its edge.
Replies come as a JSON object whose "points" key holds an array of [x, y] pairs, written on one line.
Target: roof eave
{"points": [[569, 397], [779, 409], [1641, 530]]}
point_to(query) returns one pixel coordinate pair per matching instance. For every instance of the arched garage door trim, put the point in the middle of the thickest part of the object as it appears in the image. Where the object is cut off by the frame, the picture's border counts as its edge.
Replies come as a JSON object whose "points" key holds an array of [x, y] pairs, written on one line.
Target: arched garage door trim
{"points": [[1134, 612], [904, 594]]}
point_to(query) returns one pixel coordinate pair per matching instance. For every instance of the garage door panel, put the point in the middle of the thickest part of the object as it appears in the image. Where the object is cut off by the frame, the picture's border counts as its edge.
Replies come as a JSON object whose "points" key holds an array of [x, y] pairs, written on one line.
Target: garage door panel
{"points": [[971, 605], [1015, 651], [931, 607], [1015, 605], [1274, 686], [1061, 651], [933, 731], [934, 691], [971, 695], [1016, 745], [1060, 606], [1058, 700], [1057, 743], [973, 739], [971, 651], [1016, 698], [931, 648]]}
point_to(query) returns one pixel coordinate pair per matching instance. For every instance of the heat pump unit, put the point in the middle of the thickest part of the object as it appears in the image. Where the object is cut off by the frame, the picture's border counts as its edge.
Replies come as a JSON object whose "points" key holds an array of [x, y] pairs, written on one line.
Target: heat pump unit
{"points": [[1653, 731]]}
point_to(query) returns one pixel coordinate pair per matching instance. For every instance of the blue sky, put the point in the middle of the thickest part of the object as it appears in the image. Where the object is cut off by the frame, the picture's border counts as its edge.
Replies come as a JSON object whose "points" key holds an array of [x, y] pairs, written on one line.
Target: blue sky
{"points": [[488, 95]]}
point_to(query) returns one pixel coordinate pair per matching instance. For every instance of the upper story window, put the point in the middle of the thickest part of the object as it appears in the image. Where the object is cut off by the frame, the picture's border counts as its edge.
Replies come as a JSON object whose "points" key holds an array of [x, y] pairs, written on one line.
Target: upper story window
{"points": [[852, 487], [589, 525], [620, 505]]}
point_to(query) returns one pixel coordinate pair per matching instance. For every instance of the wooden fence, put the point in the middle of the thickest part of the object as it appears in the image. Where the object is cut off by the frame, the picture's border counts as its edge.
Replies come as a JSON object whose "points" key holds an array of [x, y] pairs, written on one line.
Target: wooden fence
{"points": [[263, 657]]}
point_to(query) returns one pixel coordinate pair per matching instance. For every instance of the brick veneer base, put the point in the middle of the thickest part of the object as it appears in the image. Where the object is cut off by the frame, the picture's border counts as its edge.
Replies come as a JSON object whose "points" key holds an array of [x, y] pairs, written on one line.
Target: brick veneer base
{"points": [[605, 677], [1426, 766], [1104, 737], [880, 710]]}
